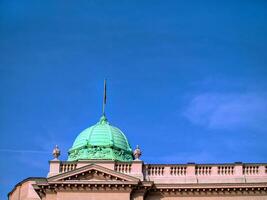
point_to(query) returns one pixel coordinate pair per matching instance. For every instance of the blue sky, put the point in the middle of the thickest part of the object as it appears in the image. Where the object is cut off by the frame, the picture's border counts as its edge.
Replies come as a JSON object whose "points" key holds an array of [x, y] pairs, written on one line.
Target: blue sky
{"points": [[186, 79]]}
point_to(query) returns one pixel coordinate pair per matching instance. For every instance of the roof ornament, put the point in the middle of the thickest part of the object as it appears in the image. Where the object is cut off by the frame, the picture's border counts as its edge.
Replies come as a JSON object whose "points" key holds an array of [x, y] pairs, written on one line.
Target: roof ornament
{"points": [[104, 98], [137, 153], [103, 120], [56, 152]]}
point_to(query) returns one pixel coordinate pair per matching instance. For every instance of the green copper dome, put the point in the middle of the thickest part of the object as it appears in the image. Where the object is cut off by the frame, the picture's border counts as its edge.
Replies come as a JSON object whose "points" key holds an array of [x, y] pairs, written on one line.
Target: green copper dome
{"points": [[102, 142]]}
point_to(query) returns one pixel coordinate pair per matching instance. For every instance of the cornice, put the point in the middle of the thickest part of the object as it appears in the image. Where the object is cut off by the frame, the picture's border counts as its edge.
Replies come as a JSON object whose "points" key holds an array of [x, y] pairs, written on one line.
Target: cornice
{"points": [[43, 189], [210, 189]]}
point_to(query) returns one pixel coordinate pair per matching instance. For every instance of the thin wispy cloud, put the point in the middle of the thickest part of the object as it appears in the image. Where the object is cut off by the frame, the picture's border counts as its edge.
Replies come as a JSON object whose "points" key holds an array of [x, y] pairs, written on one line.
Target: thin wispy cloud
{"points": [[228, 111]]}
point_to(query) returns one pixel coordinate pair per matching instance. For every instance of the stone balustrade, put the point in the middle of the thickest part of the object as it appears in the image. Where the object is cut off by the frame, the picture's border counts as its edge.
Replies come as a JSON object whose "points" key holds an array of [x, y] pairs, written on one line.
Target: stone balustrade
{"points": [[178, 170], [180, 173], [123, 167], [202, 170], [251, 170], [225, 170], [155, 170], [210, 173], [67, 166], [205, 170]]}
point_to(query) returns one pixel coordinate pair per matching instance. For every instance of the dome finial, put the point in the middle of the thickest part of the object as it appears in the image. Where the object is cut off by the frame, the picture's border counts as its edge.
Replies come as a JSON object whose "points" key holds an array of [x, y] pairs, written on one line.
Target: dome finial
{"points": [[104, 98], [103, 120]]}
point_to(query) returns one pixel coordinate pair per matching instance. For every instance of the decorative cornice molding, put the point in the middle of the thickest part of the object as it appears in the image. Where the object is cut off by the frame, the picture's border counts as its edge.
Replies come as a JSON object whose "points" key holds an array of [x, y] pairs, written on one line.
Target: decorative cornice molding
{"points": [[43, 189], [210, 189]]}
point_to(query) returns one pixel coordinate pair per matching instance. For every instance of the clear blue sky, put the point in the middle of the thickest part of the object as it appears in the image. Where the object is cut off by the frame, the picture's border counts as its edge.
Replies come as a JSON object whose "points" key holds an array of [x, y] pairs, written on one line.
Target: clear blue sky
{"points": [[187, 80]]}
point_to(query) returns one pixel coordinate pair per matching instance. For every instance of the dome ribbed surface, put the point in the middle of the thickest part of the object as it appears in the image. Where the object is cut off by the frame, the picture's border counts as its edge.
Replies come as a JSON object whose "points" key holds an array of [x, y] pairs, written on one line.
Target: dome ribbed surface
{"points": [[101, 141]]}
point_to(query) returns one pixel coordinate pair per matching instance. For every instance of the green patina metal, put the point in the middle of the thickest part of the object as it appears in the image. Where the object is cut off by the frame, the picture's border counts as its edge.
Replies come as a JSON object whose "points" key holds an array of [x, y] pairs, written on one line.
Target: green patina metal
{"points": [[101, 142]]}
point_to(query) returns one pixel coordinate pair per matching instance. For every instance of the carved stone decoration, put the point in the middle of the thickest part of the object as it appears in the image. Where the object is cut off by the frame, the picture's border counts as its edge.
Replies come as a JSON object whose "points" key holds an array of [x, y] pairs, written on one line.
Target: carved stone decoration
{"points": [[137, 153], [56, 152], [100, 153]]}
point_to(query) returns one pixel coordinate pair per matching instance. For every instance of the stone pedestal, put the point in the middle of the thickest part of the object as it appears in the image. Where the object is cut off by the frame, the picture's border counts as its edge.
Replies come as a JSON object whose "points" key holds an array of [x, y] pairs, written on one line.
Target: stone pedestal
{"points": [[54, 167], [191, 173], [137, 169]]}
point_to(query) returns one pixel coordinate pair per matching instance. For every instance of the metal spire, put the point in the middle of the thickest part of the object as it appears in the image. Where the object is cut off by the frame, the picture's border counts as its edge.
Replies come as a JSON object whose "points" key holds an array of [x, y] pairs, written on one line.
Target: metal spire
{"points": [[104, 98]]}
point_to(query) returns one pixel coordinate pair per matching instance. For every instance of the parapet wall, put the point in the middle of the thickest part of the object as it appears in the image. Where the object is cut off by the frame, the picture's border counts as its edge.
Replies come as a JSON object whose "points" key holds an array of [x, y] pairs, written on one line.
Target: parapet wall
{"points": [[176, 173]]}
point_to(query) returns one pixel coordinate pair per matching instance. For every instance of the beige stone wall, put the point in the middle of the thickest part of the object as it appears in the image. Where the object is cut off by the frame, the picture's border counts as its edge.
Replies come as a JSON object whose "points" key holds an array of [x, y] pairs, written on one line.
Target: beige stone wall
{"points": [[91, 196], [24, 191], [15, 194], [159, 197]]}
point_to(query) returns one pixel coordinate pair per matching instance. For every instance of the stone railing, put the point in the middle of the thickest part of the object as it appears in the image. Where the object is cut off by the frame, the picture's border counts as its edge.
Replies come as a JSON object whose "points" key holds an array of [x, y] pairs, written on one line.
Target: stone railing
{"points": [[178, 170], [251, 169], [123, 167], [67, 166], [203, 170], [227, 173], [155, 170], [176, 173], [224, 170]]}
